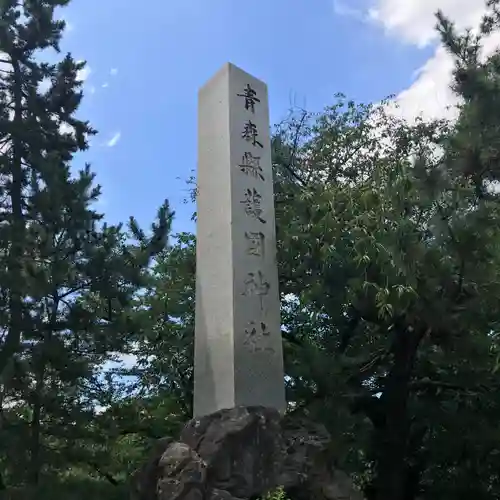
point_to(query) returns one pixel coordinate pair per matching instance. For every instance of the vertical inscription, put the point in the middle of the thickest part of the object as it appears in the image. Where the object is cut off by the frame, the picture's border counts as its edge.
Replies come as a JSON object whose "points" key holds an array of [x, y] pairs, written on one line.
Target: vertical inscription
{"points": [[255, 282], [238, 358]]}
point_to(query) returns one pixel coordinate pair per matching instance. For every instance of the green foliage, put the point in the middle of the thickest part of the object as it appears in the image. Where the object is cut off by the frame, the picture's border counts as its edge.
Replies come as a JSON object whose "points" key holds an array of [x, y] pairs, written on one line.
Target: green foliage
{"points": [[388, 240], [277, 494]]}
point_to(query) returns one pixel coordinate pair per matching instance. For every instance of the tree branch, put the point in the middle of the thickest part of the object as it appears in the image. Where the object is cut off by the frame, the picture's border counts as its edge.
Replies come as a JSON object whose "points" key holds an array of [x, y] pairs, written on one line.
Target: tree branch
{"points": [[103, 474]]}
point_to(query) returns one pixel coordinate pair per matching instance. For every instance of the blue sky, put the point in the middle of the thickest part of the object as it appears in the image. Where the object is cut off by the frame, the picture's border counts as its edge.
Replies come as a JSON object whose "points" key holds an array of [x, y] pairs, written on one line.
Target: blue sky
{"points": [[147, 60]]}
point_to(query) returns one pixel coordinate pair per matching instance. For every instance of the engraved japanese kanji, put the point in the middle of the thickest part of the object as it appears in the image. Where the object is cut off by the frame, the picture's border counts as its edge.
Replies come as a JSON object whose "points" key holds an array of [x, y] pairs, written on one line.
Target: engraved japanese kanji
{"points": [[250, 165], [255, 337], [250, 134], [252, 203], [256, 285], [251, 98], [255, 243]]}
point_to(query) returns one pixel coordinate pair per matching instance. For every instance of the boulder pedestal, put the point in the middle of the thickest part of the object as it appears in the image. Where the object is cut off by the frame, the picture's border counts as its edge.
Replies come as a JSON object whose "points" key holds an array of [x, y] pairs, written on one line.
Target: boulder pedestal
{"points": [[242, 454]]}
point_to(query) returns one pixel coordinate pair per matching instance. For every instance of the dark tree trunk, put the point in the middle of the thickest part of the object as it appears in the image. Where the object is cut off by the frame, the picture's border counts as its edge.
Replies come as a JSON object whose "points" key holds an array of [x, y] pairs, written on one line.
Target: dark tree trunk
{"points": [[391, 467], [35, 465], [16, 251]]}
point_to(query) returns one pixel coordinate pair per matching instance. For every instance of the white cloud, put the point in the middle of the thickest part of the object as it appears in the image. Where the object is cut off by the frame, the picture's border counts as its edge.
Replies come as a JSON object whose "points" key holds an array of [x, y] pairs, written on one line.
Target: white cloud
{"points": [[44, 85], [114, 140], [119, 360], [124, 361], [100, 409], [105, 85], [65, 128], [113, 71], [344, 8], [4, 64], [413, 22], [430, 95], [84, 73]]}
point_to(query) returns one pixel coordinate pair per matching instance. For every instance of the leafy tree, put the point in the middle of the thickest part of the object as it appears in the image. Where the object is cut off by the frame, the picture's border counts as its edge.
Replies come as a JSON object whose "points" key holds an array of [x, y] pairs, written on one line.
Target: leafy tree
{"points": [[388, 239]]}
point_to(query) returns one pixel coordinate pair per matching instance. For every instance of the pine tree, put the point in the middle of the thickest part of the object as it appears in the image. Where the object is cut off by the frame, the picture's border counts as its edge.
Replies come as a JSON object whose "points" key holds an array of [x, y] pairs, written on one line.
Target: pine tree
{"points": [[67, 279], [476, 143]]}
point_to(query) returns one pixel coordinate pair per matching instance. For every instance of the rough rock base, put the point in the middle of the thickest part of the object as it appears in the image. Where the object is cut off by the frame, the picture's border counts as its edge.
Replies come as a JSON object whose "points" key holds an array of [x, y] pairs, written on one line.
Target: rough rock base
{"points": [[241, 454]]}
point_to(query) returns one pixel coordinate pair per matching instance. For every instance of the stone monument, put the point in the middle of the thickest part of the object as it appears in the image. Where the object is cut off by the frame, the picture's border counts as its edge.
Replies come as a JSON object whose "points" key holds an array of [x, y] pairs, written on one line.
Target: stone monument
{"points": [[238, 346], [238, 446]]}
